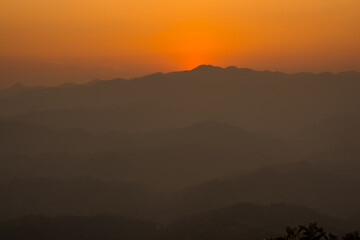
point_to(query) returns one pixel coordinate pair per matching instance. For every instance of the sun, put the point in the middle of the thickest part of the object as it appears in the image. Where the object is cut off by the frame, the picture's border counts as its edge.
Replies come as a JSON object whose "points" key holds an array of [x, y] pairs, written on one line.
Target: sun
{"points": [[196, 48], [194, 43]]}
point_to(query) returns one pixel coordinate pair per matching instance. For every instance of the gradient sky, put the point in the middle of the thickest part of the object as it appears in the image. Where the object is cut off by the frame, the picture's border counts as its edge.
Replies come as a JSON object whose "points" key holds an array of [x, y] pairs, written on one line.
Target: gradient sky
{"points": [[48, 42]]}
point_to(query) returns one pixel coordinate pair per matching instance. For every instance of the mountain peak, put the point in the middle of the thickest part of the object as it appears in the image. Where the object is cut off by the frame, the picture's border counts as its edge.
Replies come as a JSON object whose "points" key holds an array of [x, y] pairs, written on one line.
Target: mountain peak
{"points": [[234, 68], [17, 85], [93, 82], [206, 68]]}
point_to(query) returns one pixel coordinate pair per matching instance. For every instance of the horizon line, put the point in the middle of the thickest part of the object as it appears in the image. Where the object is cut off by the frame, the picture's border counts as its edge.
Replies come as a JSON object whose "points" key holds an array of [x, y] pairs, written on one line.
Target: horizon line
{"points": [[208, 66]]}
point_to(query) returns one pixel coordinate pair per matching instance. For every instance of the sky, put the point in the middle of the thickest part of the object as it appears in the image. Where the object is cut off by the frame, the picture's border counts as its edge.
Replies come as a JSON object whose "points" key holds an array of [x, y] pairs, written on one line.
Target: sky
{"points": [[48, 42]]}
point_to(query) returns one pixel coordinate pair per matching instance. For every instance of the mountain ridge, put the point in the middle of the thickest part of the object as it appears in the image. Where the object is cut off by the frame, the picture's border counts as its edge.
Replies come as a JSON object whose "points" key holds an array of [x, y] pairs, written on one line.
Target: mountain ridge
{"points": [[200, 68], [261, 101]]}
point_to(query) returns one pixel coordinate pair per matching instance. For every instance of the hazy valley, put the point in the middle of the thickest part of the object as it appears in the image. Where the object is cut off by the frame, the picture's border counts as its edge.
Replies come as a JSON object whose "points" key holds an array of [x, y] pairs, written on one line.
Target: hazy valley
{"points": [[189, 155]]}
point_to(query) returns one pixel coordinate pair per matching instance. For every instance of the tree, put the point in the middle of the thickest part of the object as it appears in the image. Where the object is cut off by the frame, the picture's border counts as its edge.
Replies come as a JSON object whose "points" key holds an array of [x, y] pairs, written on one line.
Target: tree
{"points": [[352, 236], [310, 232]]}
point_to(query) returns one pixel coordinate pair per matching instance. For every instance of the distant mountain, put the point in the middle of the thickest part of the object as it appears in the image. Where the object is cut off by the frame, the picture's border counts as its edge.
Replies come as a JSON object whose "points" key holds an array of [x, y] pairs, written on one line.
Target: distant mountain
{"points": [[339, 131], [212, 134], [266, 101], [211, 137], [77, 227], [249, 221], [241, 221], [321, 187], [339, 160], [75, 196], [16, 89], [167, 158], [67, 85], [133, 118], [24, 138], [204, 151]]}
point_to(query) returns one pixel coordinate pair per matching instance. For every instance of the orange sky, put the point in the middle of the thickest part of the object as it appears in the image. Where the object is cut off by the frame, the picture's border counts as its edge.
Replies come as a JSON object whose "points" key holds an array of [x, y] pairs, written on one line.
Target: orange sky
{"points": [[54, 41]]}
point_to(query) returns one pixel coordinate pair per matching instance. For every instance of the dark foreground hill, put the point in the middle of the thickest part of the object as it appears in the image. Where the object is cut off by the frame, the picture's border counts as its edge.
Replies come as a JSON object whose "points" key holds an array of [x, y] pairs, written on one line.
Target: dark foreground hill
{"points": [[77, 196], [328, 187], [169, 158], [250, 221], [242, 221], [76, 228]]}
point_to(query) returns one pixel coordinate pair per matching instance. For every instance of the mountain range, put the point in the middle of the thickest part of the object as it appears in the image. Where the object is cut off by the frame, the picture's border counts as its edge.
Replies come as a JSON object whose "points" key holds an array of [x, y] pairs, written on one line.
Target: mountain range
{"points": [[196, 154], [263, 101]]}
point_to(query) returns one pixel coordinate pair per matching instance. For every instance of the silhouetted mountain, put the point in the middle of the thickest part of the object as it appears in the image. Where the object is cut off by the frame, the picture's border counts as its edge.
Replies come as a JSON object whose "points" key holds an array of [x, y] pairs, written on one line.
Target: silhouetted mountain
{"points": [[200, 152], [248, 221], [334, 132], [212, 134], [267, 101], [339, 160], [67, 85], [23, 138], [133, 118], [74, 227], [93, 82], [223, 136], [319, 188], [242, 221], [204, 151], [16, 89], [75, 196]]}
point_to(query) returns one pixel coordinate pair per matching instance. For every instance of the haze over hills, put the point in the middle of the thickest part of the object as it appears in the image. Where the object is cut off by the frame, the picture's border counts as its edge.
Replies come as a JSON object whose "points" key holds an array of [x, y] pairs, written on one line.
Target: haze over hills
{"points": [[324, 189], [77, 197], [249, 221], [244, 221], [14, 90], [112, 130], [338, 131], [184, 151], [230, 95], [193, 151]]}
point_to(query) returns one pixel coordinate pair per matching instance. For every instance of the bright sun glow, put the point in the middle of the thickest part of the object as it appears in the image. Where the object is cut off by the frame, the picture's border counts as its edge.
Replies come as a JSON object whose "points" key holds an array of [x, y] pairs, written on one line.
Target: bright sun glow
{"points": [[129, 38], [192, 43]]}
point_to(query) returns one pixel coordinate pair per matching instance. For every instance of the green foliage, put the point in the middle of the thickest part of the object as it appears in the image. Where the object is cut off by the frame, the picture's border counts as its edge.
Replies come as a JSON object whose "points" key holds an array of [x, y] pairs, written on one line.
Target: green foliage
{"points": [[352, 236], [313, 232]]}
